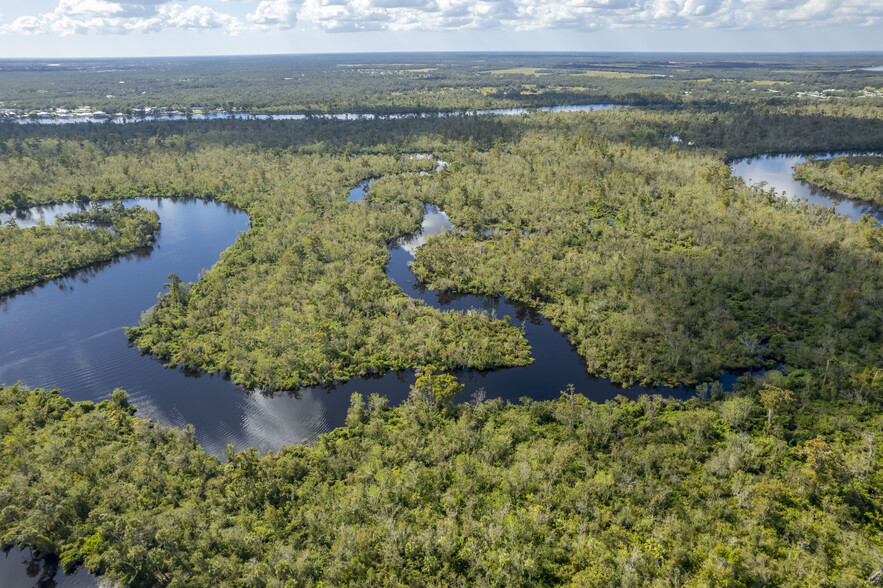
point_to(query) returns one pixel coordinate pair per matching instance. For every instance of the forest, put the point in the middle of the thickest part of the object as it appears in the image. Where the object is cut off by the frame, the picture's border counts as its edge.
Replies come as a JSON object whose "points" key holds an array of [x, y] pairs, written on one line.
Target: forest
{"points": [[764, 487], [852, 177], [639, 256], [625, 227], [431, 82], [629, 242], [32, 255]]}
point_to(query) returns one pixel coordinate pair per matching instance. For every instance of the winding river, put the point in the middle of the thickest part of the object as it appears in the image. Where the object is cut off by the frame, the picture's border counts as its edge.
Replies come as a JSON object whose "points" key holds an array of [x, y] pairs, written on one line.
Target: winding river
{"points": [[778, 172], [67, 333]]}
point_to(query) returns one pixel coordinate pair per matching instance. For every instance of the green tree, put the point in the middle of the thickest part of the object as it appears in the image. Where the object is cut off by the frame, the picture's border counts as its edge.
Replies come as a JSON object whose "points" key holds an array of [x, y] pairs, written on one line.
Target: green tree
{"points": [[775, 399], [435, 389]]}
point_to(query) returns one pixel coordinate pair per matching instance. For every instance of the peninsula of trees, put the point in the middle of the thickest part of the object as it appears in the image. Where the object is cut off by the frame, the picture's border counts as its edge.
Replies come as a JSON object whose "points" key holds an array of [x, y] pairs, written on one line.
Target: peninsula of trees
{"points": [[851, 177], [32, 255]]}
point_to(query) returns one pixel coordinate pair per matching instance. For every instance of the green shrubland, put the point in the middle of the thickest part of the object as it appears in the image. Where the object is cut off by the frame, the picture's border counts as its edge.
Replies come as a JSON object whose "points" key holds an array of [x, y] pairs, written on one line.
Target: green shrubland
{"points": [[653, 492]]}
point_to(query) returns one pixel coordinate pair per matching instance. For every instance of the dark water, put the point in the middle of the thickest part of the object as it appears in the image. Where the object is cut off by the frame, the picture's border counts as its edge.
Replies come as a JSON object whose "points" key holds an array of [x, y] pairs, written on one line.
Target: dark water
{"points": [[556, 362], [121, 119], [20, 568], [68, 334]]}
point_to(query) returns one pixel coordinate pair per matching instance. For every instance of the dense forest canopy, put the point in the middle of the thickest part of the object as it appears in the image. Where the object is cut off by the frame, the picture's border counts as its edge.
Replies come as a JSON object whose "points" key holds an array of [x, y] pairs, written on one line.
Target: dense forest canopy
{"points": [[625, 227], [852, 177], [612, 210], [657, 265], [628, 493]]}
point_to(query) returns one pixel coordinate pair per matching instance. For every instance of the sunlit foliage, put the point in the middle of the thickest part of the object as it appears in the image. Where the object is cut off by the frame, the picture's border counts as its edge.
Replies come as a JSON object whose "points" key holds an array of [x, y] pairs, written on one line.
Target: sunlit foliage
{"points": [[654, 492], [853, 177]]}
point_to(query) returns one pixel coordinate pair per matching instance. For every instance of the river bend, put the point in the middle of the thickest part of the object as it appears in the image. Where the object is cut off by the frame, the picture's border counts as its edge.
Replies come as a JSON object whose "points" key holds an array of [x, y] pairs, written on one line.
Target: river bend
{"points": [[67, 333]]}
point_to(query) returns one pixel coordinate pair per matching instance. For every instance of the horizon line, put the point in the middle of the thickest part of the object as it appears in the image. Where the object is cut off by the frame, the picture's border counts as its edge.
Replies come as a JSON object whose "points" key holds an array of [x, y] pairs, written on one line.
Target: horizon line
{"points": [[431, 52]]}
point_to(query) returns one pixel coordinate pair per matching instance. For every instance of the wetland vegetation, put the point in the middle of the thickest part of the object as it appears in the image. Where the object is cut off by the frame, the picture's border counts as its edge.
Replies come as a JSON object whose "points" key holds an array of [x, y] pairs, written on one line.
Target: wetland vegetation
{"points": [[32, 255], [625, 227], [543, 493], [851, 177]]}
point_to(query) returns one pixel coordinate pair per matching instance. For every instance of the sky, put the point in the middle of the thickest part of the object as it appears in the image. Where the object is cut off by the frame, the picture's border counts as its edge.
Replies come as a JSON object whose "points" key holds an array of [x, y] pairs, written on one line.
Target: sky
{"points": [[106, 28]]}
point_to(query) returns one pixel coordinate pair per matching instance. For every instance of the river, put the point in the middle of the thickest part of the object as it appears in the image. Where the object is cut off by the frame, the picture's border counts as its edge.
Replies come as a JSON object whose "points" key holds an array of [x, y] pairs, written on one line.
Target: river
{"points": [[124, 119], [778, 173], [67, 333]]}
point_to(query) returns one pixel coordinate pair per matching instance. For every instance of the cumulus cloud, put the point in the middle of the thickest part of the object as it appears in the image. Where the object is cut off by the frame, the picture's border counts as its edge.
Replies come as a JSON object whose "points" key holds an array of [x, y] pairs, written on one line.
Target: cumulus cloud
{"points": [[102, 17], [273, 14], [197, 17], [123, 16]]}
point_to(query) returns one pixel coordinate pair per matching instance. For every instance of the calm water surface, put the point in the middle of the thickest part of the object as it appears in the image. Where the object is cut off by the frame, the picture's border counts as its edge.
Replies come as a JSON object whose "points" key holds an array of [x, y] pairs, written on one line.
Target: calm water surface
{"points": [[20, 569], [67, 333], [340, 116], [778, 172]]}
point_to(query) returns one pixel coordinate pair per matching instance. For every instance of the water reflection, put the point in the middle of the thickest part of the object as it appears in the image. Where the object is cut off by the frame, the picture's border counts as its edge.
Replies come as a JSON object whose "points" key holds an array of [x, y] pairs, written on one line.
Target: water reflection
{"points": [[777, 171], [124, 119], [21, 568], [67, 333], [556, 364]]}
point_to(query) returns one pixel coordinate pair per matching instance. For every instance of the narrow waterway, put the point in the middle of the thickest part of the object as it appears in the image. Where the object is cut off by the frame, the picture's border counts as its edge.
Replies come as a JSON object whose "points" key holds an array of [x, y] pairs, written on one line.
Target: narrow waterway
{"points": [[67, 333]]}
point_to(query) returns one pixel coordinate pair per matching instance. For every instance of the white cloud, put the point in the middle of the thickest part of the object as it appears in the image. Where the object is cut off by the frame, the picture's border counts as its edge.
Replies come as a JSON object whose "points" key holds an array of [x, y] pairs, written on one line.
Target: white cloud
{"points": [[102, 17], [88, 8], [273, 14], [124, 16], [197, 17]]}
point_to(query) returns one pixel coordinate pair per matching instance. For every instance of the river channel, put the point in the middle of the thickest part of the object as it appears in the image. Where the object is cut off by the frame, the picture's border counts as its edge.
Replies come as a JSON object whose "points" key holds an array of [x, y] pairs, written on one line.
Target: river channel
{"points": [[778, 173], [67, 333], [124, 119]]}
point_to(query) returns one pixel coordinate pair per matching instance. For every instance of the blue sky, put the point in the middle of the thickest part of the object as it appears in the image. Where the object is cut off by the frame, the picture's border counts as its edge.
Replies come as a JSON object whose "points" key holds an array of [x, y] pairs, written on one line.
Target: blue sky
{"points": [[107, 28]]}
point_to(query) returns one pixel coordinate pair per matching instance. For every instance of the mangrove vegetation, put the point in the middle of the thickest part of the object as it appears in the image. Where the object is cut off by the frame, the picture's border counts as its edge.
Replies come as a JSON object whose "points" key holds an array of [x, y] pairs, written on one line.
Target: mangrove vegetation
{"points": [[654, 492], [625, 227]]}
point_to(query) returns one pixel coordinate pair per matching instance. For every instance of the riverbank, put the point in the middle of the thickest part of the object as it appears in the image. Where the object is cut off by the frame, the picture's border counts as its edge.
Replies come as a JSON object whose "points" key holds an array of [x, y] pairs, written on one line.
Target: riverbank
{"points": [[857, 177], [374, 501], [29, 256]]}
